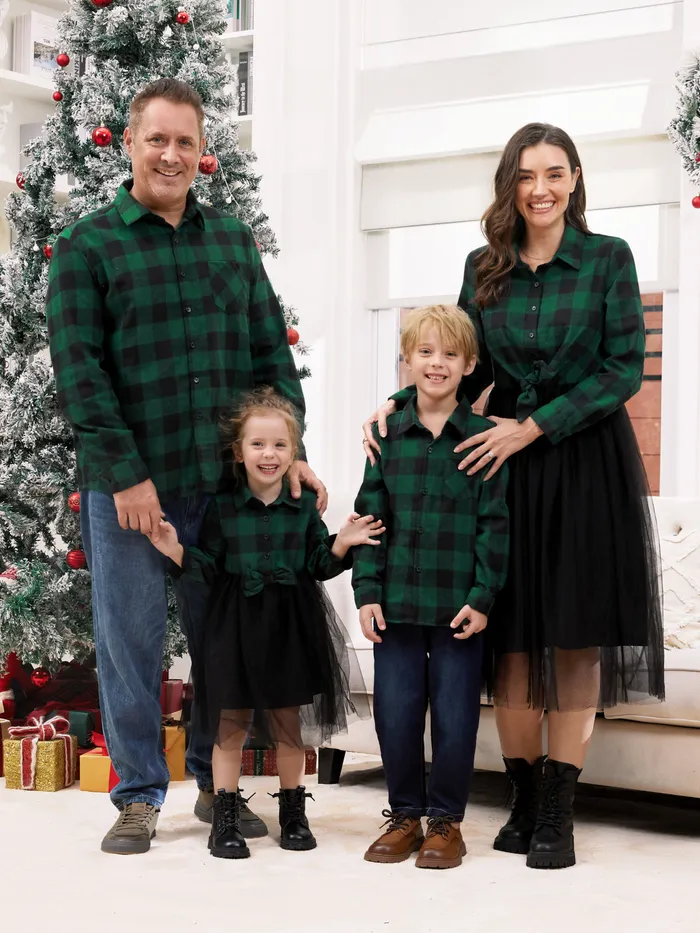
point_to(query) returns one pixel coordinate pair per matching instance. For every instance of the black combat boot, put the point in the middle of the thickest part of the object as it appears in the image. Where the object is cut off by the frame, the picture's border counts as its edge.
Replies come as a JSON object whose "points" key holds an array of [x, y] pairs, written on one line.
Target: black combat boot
{"points": [[225, 839], [296, 834], [552, 844], [525, 779]]}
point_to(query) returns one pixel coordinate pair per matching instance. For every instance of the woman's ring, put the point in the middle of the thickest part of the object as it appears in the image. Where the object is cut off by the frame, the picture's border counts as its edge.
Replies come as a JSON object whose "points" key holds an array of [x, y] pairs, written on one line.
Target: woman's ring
{"points": [[489, 454]]}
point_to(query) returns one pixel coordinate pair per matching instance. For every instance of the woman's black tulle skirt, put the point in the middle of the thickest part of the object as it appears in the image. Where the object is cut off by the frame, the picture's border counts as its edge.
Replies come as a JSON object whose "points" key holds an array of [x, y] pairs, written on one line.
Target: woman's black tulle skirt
{"points": [[277, 664], [579, 622]]}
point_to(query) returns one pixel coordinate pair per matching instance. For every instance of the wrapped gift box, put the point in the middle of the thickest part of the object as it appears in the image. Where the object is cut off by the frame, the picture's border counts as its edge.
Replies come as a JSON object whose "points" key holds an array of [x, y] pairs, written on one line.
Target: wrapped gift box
{"points": [[98, 775], [40, 756], [259, 761], [82, 724], [4, 734], [171, 695]]}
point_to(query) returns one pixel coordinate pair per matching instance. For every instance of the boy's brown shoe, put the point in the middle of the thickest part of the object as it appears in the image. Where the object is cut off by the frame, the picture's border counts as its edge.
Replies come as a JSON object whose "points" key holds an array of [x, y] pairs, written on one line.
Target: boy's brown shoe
{"points": [[443, 846], [133, 831], [403, 836]]}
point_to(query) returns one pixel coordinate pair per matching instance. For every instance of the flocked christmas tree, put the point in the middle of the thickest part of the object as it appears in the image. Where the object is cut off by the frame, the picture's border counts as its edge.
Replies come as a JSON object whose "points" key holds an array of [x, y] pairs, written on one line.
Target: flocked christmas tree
{"points": [[120, 46], [684, 129]]}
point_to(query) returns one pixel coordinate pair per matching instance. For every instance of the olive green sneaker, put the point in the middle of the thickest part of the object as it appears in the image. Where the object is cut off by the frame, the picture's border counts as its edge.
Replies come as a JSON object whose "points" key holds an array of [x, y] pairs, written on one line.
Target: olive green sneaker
{"points": [[252, 827], [133, 831]]}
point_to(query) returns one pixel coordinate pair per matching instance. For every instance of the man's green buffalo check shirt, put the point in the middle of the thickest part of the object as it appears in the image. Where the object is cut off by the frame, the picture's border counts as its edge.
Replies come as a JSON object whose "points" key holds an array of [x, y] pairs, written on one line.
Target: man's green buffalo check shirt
{"points": [[446, 543], [153, 333]]}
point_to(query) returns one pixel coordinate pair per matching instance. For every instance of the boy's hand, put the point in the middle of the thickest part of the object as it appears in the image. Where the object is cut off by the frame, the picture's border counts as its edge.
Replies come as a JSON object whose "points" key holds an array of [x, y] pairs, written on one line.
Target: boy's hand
{"points": [[167, 542], [368, 614], [477, 622], [356, 530]]}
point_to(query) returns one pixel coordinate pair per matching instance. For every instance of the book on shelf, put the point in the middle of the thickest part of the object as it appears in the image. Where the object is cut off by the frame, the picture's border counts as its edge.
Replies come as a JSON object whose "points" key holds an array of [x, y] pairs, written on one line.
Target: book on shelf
{"points": [[239, 15], [245, 84], [35, 45]]}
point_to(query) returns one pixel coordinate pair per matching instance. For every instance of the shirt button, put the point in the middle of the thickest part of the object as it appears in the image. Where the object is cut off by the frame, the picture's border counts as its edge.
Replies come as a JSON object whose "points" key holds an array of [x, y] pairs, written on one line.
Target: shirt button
{"points": [[430, 450], [266, 518], [420, 530], [534, 307], [537, 284], [175, 241], [531, 336], [188, 310], [192, 346], [424, 492], [419, 569], [182, 274], [199, 416], [266, 537], [266, 556], [196, 379]]}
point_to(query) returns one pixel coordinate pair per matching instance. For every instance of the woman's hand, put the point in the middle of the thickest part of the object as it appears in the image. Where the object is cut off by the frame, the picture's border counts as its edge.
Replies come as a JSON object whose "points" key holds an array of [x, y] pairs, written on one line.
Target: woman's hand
{"points": [[167, 542], [356, 530], [368, 442], [493, 447]]}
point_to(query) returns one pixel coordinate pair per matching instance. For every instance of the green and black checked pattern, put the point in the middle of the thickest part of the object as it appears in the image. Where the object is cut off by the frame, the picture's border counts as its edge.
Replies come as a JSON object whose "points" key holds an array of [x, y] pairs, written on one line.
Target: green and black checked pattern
{"points": [[153, 332], [243, 536], [446, 542], [570, 336]]}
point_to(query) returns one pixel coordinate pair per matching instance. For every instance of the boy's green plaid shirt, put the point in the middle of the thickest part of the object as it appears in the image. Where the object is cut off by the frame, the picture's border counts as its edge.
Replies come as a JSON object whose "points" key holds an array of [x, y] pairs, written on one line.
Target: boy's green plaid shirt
{"points": [[446, 543], [153, 333]]}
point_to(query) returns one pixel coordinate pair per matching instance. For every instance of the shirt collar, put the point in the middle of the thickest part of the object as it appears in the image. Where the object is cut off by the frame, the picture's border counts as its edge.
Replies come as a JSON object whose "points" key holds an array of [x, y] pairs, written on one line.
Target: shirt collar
{"points": [[132, 210], [458, 420], [242, 496], [570, 249]]}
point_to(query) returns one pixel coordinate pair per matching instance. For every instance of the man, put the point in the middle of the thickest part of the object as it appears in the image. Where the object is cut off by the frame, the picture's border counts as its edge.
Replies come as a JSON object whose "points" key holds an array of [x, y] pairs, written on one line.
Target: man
{"points": [[159, 311]]}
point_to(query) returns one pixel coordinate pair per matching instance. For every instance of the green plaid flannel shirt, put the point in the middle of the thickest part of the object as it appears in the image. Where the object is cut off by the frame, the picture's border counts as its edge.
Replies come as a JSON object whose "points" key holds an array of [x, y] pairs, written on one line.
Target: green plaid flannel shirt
{"points": [[262, 543], [153, 333], [446, 543], [571, 335]]}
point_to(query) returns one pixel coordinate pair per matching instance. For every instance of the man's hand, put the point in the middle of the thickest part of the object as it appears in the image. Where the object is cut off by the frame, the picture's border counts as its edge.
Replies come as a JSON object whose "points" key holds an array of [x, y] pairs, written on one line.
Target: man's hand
{"points": [[368, 614], [477, 622], [300, 473], [138, 508]]}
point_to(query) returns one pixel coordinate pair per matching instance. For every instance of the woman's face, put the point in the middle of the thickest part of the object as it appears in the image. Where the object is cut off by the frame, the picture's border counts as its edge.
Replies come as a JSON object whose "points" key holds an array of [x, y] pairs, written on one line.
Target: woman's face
{"points": [[545, 186]]}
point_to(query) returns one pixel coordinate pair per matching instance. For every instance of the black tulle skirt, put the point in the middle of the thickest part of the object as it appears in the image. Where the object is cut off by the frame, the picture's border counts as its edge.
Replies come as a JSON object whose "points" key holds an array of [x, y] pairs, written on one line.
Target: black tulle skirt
{"points": [[579, 623], [277, 664]]}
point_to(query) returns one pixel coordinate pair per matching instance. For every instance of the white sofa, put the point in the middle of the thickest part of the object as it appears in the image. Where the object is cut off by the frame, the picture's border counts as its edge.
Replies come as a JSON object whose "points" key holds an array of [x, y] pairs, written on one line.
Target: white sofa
{"points": [[649, 747]]}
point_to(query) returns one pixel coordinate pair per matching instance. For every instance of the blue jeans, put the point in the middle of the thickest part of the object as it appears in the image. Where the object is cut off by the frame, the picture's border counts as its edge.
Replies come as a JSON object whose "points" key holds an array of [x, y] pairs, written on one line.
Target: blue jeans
{"points": [[129, 605], [417, 665]]}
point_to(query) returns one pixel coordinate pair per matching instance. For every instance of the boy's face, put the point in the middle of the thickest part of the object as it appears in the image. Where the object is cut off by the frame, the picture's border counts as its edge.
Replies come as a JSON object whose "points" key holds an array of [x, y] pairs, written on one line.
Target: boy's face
{"points": [[266, 449], [436, 367]]}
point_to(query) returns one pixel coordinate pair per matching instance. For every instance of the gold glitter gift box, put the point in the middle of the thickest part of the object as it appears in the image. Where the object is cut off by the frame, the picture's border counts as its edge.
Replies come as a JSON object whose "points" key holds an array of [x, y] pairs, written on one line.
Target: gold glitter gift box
{"points": [[40, 756]]}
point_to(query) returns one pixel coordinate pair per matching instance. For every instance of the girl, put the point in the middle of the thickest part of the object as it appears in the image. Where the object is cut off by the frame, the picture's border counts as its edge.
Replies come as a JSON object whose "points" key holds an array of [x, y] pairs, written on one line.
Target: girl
{"points": [[274, 661], [561, 337]]}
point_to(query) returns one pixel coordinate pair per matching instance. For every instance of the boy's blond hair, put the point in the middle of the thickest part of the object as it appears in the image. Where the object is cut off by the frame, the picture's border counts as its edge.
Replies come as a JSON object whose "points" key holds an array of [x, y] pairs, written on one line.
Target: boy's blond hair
{"points": [[454, 326]]}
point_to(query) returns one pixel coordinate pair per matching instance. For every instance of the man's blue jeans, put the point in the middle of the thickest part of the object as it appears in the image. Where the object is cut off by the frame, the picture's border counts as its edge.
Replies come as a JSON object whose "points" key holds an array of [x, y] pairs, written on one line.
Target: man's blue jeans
{"points": [[129, 604], [417, 665]]}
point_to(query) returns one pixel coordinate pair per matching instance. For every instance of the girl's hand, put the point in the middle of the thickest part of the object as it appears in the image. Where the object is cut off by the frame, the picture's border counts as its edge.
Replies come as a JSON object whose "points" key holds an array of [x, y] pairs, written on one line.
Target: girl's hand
{"points": [[477, 622], [493, 447], [368, 615], [167, 542], [356, 530], [368, 442]]}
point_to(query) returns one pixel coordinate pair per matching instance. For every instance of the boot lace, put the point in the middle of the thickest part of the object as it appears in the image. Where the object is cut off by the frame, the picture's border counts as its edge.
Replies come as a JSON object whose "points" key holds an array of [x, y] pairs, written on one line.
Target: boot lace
{"points": [[439, 826], [396, 822], [230, 813], [134, 817], [550, 810], [294, 809]]}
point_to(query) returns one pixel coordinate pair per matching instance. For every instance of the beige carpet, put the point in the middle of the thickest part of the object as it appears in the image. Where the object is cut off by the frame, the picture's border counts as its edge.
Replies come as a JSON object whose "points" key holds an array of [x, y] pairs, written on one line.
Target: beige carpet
{"points": [[638, 870]]}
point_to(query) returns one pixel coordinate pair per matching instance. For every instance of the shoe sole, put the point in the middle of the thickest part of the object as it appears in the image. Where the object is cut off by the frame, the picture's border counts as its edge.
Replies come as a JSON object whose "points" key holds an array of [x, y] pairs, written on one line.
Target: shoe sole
{"points": [[567, 860], [250, 829], [116, 848], [513, 847], [240, 853], [393, 859], [442, 862], [298, 846]]}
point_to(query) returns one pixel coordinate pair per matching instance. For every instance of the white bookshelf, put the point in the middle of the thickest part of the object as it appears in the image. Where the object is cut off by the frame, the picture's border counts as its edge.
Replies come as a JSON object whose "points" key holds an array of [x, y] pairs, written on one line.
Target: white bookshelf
{"points": [[241, 41], [16, 85]]}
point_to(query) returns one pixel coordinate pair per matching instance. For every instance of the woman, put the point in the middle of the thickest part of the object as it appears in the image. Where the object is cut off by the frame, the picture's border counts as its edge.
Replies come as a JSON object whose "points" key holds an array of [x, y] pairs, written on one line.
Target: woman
{"points": [[561, 333]]}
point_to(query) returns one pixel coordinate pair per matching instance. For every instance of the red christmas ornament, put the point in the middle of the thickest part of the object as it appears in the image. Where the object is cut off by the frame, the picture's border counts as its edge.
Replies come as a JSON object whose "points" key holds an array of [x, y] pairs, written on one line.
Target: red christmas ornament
{"points": [[76, 559], [57, 96], [102, 2], [258, 245], [20, 179], [102, 136], [63, 60], [696, 201], [183, 17], [74, 502], [48, 250], [697, 157], [208, 164], [40, 677], [292, 336], [9, 574]]}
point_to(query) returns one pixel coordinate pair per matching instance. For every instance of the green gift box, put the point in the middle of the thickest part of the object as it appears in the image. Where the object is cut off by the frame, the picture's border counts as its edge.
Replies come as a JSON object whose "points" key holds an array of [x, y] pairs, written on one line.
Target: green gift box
{"points": [[82, 725]]}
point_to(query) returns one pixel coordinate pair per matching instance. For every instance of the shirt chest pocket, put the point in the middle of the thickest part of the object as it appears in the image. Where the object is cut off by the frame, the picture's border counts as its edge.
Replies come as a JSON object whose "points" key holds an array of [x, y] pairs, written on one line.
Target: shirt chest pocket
{"points": [[459, 486], [229, 287]]}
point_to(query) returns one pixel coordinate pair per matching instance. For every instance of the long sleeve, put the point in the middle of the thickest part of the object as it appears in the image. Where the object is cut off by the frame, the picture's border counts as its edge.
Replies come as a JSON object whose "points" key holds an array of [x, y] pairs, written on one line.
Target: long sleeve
{"points": [[622, 349], [273, 361], [203, 562], [74, 313], [369, 561], [321, 563], [492, 542]]}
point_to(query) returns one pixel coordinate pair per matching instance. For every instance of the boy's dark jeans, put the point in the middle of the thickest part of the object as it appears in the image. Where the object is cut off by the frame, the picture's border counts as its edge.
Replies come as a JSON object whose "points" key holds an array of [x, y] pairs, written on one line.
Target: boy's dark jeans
{"points": [[413, 666]]}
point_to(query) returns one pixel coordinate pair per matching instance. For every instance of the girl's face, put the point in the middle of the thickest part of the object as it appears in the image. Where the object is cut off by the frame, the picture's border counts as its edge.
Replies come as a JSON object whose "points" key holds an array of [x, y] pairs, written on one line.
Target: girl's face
{"points": [[266, 449], [545, 186]]}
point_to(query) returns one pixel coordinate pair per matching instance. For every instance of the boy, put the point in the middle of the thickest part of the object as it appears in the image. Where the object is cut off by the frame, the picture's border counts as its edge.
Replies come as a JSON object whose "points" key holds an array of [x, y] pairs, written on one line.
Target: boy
{"points": [[437, 569]]}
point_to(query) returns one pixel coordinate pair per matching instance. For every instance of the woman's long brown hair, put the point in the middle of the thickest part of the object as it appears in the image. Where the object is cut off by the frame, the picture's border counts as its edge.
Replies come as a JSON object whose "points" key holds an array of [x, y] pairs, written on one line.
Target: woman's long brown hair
{"points": [[502, 224]]}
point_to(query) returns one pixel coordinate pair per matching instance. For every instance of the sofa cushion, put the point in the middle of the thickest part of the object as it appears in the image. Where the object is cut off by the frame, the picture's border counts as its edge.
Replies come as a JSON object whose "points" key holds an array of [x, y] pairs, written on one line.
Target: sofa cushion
{"points": [[682, 704]]}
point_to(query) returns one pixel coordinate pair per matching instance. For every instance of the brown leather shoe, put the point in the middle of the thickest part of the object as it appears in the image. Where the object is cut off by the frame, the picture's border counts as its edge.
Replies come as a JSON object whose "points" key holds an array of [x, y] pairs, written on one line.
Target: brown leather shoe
{"points": [[443, 846], [403, 836]]}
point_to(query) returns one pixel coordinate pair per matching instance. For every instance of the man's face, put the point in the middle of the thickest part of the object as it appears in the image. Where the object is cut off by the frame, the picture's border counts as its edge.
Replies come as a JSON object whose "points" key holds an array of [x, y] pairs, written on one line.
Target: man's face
{"points": [[165, 149]]}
